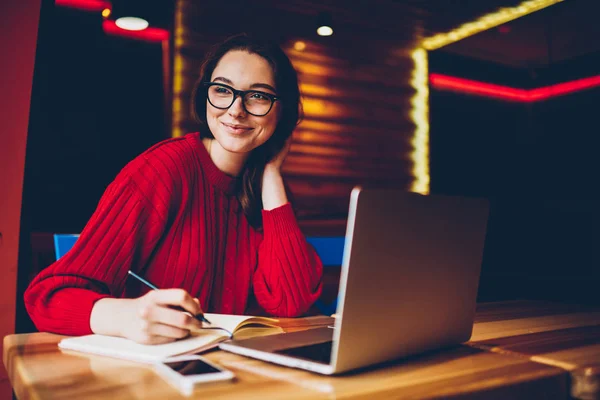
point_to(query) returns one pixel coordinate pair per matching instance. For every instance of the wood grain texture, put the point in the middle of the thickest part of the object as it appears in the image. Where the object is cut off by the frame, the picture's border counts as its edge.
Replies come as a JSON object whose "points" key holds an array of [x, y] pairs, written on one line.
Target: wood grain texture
{"points": [[356, 127], [38, 369], [561, 335]]}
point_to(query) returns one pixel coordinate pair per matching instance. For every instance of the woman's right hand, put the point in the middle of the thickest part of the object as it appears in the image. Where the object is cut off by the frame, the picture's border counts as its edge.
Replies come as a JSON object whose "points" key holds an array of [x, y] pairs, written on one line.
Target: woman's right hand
{"points": [[149, 319]]}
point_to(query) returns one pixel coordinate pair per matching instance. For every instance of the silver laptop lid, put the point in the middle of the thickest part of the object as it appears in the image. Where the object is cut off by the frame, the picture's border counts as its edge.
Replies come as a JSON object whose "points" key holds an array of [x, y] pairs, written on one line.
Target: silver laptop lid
{"points": [[409, 276]]}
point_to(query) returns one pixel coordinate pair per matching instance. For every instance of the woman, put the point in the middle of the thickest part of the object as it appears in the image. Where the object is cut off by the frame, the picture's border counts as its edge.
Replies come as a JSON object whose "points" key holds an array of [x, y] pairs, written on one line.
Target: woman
{"points": [[204, 217]]}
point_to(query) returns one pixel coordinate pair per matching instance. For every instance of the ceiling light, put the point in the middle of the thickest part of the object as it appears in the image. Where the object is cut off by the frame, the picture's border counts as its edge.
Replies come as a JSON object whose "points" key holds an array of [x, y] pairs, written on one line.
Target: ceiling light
{"points": [[132, 23], [325, 31], [324, 25]]}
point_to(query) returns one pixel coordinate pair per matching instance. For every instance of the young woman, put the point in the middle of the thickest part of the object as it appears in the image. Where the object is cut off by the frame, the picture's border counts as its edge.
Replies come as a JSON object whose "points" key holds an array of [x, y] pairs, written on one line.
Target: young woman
{"points": [[204, 217]]}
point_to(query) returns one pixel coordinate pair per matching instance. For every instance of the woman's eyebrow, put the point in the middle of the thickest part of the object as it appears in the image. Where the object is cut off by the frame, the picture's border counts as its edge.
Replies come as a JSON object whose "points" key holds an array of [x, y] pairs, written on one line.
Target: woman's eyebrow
{"points": [[224, 80], [253, 86], [263, 86]]}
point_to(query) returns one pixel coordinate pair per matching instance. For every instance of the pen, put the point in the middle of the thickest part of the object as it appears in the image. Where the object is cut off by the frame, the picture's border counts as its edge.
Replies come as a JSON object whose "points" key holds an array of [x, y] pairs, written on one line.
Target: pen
{"points": [[153, 287]]}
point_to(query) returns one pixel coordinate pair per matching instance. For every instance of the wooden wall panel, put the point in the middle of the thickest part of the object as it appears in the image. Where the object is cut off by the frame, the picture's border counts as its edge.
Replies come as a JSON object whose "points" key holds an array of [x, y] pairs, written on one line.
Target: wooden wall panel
{"points": [[356, 85], [356, 93]]}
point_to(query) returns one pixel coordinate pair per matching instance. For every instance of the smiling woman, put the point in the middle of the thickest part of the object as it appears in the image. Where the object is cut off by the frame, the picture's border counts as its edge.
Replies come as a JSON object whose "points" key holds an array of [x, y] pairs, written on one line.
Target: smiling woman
{"points": [[205, 214]]}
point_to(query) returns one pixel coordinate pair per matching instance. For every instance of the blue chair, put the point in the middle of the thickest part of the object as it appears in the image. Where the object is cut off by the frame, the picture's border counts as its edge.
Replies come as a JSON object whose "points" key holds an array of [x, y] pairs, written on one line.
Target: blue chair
{"points": [[63, 243], [331, 252]]}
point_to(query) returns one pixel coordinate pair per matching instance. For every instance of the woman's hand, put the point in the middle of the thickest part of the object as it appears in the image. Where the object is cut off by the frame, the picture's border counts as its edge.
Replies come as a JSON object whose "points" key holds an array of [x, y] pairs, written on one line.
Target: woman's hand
{"points": [[149, 319], [279, 158], [273, 191]]}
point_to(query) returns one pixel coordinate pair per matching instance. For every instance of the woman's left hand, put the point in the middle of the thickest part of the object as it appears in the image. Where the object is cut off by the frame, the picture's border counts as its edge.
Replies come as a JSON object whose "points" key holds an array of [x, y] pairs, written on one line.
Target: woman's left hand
{"points": [[273, 191], [279, 158]]}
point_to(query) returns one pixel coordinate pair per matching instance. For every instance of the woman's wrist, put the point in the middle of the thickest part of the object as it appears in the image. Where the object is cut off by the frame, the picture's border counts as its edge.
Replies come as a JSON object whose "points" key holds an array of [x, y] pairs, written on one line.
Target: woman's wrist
{"points": [[273, 190], [105, 318]]}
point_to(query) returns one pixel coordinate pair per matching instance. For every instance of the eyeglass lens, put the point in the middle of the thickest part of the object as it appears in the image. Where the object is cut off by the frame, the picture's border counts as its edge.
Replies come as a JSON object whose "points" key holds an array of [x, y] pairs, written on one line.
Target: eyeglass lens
{"points": [[255, 103]]}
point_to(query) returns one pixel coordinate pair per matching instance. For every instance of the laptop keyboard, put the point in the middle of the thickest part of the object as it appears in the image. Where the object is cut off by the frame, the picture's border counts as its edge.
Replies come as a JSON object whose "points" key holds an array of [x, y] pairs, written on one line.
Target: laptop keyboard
{"points": [[320, 352]]}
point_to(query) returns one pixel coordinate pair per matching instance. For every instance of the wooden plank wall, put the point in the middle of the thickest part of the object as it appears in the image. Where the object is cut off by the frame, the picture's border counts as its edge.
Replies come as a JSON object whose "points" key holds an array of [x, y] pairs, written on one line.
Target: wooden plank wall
{"points": [[356, 94]]}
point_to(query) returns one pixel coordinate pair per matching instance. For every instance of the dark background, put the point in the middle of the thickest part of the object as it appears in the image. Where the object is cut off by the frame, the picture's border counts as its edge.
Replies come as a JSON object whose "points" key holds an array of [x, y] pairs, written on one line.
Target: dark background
{"points": [[93, 109], [537, 164]]}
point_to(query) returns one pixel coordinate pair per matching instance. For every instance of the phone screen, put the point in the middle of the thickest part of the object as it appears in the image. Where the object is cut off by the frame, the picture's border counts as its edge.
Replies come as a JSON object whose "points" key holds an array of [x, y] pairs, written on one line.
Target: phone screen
{"points": [[192, 367]]}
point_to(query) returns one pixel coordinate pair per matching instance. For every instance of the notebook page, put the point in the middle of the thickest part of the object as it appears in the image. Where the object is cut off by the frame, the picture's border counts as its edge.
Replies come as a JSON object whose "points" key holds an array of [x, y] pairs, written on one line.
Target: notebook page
{"points": [[127, 349], [234, 322]]}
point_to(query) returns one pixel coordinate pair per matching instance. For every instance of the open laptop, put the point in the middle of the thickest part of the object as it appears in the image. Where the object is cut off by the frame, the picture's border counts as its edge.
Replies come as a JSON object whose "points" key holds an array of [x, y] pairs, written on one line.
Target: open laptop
{"points": [[408, 284]]}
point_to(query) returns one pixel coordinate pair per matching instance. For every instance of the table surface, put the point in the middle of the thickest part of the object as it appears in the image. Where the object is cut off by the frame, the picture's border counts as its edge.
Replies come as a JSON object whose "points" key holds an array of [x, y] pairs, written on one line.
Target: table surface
{"points": [[561, 335], [514, 353]]}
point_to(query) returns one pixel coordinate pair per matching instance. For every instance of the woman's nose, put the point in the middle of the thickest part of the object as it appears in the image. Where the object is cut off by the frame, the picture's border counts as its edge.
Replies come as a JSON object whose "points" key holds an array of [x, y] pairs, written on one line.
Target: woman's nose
{"points": [[237, 108]]}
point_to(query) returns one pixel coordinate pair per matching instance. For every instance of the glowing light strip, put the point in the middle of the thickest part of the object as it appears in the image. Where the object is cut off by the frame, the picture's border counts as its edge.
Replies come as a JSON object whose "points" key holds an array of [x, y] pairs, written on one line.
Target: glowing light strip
{"points": [[564, 88], [149, 34], [420, 101], [87, 5], [440, 81], [486, 22], [178, 67], [420, 116]]}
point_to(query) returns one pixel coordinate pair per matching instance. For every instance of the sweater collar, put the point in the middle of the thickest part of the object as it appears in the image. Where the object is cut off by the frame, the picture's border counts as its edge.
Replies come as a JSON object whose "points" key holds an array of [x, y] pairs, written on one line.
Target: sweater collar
{"points": [[216, 177]]}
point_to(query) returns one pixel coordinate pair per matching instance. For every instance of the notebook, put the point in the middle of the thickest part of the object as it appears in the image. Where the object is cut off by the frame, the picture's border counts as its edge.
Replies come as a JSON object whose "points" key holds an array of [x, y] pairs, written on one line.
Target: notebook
{"points": [[242, 326]]}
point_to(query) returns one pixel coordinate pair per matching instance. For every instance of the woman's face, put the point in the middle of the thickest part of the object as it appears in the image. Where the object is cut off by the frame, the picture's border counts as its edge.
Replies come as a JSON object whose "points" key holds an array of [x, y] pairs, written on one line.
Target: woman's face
{"points": [[234, 129]]}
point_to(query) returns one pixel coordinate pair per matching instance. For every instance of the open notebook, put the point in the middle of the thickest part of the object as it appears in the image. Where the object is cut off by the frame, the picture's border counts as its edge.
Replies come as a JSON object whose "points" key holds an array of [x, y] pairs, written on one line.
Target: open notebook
{"points": [[242, 326]]}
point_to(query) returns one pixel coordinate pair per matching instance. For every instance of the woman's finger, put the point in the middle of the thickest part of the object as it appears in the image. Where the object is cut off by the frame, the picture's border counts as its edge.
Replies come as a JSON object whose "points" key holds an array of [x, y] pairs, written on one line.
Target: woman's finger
{"points": [[167, 331], [177, 298], [168, 316]]}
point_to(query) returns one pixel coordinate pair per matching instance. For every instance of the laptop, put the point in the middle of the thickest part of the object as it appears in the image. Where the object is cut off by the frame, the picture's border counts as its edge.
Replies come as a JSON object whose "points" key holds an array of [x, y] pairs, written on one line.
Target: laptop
{"points": [[408, 284]]}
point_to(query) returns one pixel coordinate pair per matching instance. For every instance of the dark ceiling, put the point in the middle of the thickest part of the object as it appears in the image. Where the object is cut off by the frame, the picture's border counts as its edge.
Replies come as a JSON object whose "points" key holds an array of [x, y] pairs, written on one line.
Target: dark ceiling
{"points": [[558, 33], [562, 31]]}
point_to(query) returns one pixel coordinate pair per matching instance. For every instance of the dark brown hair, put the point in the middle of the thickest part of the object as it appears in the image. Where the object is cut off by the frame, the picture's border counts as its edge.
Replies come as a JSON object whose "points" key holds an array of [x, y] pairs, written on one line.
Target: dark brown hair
{"points": [[286, 84]]}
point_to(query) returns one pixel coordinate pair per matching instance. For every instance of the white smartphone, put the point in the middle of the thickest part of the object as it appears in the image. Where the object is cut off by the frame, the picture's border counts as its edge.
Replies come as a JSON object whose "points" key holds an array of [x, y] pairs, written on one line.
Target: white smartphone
{"points": [[185, 372]]}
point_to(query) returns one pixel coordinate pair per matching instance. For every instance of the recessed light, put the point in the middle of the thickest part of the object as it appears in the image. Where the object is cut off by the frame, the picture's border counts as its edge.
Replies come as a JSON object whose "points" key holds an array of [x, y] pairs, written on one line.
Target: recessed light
{"points": [[132, 23], [325, 30]]}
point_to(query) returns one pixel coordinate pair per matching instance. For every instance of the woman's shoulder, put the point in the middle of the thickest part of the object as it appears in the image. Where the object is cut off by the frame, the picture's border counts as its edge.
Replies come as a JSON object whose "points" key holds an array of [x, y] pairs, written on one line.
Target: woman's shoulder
{"points": [[173, 149], [171, 157]]}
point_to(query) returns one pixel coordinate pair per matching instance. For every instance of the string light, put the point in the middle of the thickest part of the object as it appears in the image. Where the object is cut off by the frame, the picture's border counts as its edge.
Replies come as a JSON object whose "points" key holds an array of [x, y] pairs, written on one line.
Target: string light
{"points": [[420, 116], [420, 101], [486, 22]]}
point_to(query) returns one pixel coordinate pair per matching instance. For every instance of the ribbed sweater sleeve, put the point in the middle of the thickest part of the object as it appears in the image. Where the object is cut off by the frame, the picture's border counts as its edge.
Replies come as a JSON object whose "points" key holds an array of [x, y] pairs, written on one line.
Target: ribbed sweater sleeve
{"points": [[288, 278], [120, 236]]}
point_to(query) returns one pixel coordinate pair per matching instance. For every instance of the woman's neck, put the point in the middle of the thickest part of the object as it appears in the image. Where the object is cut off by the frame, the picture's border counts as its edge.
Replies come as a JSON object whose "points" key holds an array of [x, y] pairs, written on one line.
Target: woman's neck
{"points": [[226, 161]]}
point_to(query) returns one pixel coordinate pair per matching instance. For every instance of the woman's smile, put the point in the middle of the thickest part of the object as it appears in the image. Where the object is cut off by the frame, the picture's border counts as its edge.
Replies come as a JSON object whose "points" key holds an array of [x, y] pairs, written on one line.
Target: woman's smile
{"points": [[236, 129]]}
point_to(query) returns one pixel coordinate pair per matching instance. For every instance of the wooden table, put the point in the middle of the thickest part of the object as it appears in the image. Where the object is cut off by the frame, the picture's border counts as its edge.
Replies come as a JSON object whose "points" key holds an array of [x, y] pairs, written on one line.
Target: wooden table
{"points": [[38, 369], [561, 335]]}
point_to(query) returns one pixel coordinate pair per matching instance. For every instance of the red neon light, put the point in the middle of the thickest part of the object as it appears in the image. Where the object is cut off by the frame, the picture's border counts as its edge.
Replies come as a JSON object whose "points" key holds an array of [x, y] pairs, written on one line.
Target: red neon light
{"points": [[87, 5], [149, 34], [440, 81], [564, 88]]}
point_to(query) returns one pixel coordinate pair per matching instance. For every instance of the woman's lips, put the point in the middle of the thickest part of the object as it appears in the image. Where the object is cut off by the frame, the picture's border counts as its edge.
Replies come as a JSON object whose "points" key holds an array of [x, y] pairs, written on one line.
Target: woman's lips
{"points": [[236, 129]]}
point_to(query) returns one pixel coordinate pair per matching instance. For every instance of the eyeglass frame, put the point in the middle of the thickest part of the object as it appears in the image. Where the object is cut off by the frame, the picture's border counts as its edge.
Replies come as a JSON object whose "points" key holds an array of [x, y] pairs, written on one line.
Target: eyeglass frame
{"points": [[242, 94]]}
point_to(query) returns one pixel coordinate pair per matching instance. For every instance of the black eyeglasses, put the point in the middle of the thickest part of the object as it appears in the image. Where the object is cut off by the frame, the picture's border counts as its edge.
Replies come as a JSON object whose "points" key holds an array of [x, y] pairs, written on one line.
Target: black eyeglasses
{"points": [[255, 102]]}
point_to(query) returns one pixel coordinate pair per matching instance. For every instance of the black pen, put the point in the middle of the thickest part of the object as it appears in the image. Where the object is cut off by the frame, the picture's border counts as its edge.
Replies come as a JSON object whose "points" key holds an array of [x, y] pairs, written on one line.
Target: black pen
{"points": [[199, 317]]}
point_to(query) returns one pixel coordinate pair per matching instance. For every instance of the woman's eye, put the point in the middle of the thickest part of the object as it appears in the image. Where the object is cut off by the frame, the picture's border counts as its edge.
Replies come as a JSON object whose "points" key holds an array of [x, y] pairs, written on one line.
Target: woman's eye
{"points": [[222, 90], [259, 96]]}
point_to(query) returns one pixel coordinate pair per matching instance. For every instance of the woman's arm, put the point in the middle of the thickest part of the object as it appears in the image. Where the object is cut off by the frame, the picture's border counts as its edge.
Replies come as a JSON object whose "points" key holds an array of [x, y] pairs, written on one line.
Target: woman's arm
{"points": [[288, 278], [78, 294], [125, 227]]}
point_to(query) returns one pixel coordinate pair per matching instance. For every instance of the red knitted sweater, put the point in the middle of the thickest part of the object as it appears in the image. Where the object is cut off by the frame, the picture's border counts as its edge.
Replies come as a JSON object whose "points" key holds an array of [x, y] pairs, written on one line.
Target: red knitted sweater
{"points": [[172, 216]]}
